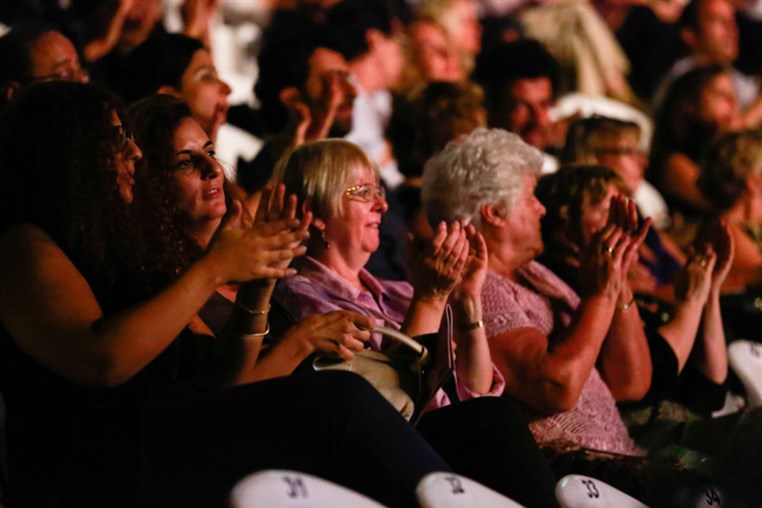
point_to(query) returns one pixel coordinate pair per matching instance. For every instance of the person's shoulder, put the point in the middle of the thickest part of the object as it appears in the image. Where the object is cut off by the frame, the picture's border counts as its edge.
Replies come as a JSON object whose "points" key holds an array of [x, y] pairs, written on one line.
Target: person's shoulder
{"points": [[24, 241]]}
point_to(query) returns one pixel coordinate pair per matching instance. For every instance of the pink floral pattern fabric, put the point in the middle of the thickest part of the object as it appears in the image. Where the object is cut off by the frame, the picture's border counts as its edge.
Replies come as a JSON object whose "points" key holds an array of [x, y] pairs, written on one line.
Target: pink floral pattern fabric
{"points": [[543, 301]]}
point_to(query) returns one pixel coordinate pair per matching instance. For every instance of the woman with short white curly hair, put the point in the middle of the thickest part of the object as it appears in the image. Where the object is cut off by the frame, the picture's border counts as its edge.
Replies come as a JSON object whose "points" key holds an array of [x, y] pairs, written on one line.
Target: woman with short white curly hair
{"points": [[567, 357], [489, 168]]}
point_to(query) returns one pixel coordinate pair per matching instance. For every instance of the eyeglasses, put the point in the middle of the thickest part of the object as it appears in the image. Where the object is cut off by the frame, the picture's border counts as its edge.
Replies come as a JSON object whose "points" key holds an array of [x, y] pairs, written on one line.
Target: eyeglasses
{"points": [[123, 137], [77, 74], [366, 192]]}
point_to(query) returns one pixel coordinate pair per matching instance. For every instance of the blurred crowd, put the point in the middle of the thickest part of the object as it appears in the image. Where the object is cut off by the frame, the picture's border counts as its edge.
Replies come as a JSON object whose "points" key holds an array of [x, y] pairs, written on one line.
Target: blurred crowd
{"points": [[203, 196]]}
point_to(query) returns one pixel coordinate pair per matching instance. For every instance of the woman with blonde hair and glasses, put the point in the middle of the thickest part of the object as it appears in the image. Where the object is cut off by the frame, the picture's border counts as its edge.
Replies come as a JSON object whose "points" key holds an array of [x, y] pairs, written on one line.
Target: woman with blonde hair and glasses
{"points": [[481, 435]]}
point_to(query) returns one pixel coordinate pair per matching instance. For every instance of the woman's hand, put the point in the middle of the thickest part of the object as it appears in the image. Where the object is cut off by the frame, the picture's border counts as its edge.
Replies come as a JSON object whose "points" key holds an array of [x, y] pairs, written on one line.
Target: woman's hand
{"points": [[475, 270], [262, 251], [723, 244], [600, 270], [623, 213], [466, 297], [694, 280], [336, 333], [437, 264]]}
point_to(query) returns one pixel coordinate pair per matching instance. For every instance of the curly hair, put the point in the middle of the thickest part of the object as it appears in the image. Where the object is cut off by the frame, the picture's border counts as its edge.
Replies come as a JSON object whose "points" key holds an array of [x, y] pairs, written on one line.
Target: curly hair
{"points": [[728, 164], [486, 166], [57, 154], [155, 119]]}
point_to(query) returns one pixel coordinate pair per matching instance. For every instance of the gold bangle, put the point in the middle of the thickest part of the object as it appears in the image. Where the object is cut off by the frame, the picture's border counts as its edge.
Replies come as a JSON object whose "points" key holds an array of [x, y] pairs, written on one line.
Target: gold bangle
{"points": [[257, 334], [252, 311], [468, 327], [626, 305]]}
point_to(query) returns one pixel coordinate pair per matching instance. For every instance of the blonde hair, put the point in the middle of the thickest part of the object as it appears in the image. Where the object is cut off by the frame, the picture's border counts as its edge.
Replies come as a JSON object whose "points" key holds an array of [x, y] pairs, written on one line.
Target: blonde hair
{"points": [[588, 136], [320, 172]]}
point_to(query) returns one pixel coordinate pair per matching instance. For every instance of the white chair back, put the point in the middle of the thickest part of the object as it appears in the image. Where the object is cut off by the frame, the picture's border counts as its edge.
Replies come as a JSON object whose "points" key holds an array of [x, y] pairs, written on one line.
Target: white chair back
{"points": [[448, 490], [578, 491], [745, 358], [291, 489]]}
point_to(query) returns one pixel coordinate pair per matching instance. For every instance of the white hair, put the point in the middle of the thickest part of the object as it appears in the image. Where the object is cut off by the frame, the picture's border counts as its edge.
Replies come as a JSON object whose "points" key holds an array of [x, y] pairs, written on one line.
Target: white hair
{"points": [[484, 167]]}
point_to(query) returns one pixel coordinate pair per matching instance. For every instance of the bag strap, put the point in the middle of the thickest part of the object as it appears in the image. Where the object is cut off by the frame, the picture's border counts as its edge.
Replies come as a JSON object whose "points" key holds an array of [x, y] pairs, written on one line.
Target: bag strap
{"points": [[420, 349]]}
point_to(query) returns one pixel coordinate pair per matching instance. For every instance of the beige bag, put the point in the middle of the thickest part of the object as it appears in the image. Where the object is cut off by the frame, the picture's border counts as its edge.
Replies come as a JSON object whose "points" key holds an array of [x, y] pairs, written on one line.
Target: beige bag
{"points": [[398, 375]]}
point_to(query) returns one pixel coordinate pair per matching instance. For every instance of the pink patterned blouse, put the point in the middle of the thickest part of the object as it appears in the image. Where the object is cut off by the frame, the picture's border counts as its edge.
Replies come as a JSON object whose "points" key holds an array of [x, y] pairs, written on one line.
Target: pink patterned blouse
{"points": [[545, 302]]}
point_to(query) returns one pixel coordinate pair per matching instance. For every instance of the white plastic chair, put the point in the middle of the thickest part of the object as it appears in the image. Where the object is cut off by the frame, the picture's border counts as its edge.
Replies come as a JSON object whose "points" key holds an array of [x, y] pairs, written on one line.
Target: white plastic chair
{"points": [[448, 490], [290, 489], [578, 491], [745, 358]]}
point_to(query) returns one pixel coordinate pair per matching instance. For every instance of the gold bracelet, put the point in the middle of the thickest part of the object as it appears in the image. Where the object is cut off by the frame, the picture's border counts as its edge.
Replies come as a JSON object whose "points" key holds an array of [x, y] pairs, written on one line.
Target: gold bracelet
{"points": [[252, 311], [468, 327], [626, 305], [257, 334]]}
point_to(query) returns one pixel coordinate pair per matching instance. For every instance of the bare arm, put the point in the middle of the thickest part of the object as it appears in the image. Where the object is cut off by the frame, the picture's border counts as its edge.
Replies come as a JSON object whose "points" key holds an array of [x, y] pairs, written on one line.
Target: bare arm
{"points": [[337, 333], [550, 378], [549, 374], [679, 182], [625, 358], [51, 312], [474, 362], [710, 355]]}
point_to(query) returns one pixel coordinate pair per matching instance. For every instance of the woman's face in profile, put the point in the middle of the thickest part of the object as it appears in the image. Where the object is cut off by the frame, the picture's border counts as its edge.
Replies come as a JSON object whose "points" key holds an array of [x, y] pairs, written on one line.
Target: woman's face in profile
{"points": [[127, 154], [197, 174], [717, 104], [593, 216], [205, 93]]}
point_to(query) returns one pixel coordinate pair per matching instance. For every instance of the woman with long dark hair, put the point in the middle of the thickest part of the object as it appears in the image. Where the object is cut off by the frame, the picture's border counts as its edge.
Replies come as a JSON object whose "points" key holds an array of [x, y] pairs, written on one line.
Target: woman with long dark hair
{"points": [[112, 400]]}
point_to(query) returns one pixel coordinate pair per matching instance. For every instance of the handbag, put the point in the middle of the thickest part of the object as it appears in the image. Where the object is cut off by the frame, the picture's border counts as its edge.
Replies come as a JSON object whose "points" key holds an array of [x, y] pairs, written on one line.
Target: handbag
{"points": [[396, 374]]}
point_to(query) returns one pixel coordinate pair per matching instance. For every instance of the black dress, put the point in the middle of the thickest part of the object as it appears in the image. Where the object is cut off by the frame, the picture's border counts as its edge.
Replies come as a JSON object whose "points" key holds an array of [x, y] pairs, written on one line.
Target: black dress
{"points": [[163, 439]]}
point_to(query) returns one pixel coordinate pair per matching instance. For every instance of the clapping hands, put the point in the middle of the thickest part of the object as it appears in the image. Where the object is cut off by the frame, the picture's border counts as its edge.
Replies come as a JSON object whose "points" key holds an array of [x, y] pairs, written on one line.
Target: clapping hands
{"points": [[437, 264], [245, 249], [613, 250]]}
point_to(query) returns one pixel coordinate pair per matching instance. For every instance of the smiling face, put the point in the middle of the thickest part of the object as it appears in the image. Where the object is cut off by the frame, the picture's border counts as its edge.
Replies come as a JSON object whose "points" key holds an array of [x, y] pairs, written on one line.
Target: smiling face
{"points": [[525, 110], [354, 230], [204, 92], [127, 154], [197, 175]]}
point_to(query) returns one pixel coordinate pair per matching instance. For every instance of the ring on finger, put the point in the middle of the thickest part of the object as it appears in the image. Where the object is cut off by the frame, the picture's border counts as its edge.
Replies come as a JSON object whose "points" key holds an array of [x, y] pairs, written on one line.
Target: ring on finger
{"points": [[608, 248]]}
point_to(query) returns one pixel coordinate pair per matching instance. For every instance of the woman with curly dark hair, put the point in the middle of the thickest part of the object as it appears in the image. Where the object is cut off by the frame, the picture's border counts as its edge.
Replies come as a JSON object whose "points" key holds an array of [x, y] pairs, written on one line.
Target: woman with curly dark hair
{"points": [[112, 399]]}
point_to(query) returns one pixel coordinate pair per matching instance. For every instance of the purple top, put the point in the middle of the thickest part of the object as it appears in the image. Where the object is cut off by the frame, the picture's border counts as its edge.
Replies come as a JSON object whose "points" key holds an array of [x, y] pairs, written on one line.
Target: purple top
{"points": [[317, 289], [545, 302]]}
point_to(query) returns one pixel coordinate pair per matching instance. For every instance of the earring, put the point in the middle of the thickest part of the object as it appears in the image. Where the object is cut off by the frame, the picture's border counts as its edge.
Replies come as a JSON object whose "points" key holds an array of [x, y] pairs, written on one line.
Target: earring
{"points": [[325, 242]]}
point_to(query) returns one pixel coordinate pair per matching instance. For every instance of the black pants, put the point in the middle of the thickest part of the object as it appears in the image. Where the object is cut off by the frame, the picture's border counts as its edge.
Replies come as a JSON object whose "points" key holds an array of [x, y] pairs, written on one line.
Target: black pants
{"points": [[331, 424], [488, 440]]}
